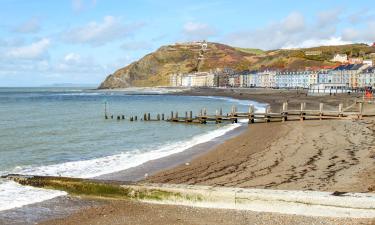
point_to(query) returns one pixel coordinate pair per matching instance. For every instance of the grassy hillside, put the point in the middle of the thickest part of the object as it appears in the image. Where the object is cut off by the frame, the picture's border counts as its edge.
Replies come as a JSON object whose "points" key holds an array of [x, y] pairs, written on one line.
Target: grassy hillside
{"points": [[154, 69]]}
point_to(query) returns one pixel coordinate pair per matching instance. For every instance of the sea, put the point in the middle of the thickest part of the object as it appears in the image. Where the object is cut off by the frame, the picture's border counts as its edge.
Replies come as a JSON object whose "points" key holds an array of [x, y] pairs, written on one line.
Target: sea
{"points": [[63, 132]]}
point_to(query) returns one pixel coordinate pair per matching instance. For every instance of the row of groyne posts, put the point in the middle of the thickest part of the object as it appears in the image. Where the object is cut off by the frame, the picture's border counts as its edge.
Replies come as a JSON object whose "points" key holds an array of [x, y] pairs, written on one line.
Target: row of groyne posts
{"points": [[285, 114]]}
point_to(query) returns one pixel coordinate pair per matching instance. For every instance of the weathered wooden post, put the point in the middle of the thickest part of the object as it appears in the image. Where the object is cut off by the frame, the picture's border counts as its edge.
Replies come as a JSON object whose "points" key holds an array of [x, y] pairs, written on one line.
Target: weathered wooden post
{"points": [[176, 115], [131, 119], [285, 112], [340, 110], [123, 117], [171, 115], [360, 110], [158, 117], [266, 116], [118, 117], [105, 110], [145, 117], [251, 114], [186, 116], [321, 111], [136, 118], [162, 116], [302, 114], [191, 115]]}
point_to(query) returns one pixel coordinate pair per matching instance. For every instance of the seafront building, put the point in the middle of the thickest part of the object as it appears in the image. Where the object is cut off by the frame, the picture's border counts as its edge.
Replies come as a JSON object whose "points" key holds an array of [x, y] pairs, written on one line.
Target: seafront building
{"points": [[343, 77]]}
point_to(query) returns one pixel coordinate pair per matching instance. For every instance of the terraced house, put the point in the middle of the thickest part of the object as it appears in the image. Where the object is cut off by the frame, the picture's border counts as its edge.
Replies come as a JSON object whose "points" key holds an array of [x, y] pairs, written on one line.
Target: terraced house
{"points": [[347, 76], [367, 77], [294, 79]]}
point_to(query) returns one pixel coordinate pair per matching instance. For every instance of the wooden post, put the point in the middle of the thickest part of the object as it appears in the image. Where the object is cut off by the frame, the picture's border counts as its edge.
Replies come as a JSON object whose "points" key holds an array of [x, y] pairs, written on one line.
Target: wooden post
{"points": [[158, 117], [145, 117], [123, 117], [221, 111], [302, 114], [251, 114], [191, 115], [186, 116], [105, 110], [171, 115], [131, 118], [136, 118], [284, 112], [340, 110], [148, 116], [118, 118], [162, 116], [205, 112], [321, 111], [111, 116], [266, 116], [177, 115], [360, 110]]}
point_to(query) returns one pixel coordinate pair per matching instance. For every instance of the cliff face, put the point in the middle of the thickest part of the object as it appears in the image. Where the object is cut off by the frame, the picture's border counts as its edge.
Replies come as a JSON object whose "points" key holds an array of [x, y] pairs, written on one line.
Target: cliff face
{"points": [[154, 69]]}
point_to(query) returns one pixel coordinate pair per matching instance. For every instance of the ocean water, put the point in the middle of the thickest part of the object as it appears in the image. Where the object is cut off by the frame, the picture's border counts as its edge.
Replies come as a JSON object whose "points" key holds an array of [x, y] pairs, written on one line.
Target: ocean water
{"points": [[62, 132]]}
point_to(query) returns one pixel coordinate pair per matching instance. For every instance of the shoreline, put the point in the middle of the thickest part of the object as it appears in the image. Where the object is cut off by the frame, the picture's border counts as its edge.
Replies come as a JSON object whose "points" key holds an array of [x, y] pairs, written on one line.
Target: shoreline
{"points": [[179, 172], [133, 174], [151, 167]]}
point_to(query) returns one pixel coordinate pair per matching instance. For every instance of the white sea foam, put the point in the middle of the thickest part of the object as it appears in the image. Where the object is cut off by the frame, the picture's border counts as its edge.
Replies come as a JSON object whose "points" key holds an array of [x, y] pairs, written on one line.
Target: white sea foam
{"points": [[259, 107], [13, 195], [118, 162]]}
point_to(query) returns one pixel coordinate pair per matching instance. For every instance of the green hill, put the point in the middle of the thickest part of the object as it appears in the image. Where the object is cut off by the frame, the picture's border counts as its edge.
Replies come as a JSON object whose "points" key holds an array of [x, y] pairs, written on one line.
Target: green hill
{"points": [[154, 69]]}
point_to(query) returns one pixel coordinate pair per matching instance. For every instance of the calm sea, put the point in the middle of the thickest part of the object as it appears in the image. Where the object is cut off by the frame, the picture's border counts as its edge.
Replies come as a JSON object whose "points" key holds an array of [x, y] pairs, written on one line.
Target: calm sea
{"points": [[62, 131]]}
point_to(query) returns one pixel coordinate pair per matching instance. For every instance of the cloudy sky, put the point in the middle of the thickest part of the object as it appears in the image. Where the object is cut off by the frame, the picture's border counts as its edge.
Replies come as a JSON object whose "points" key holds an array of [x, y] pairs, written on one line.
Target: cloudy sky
{"points": [[82, 41]]}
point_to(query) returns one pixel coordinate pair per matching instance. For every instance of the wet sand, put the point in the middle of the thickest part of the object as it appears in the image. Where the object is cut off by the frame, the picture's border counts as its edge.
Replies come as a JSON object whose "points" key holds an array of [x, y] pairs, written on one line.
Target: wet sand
{"points": [[311, 155]]}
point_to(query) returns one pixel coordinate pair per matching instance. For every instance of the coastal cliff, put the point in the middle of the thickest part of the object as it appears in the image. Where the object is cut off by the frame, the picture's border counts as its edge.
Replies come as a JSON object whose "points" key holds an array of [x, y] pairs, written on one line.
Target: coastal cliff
{"points": [[154, 68]]}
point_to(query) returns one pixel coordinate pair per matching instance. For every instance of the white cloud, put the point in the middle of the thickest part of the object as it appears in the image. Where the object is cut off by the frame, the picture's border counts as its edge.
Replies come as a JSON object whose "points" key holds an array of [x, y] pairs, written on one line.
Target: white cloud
{"points": [[328, 18], [136, 45], [365, 34], [30, 26], [292, 32], [80, 5], [294, 22], [198, 31], [36, 50], [94, 33], [74, 63], [318, 42]]}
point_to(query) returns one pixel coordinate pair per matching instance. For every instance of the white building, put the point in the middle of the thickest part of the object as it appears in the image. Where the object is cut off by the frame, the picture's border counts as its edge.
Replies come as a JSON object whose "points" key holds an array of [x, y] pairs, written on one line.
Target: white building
{"points": [[342, 58], [293, 79]]}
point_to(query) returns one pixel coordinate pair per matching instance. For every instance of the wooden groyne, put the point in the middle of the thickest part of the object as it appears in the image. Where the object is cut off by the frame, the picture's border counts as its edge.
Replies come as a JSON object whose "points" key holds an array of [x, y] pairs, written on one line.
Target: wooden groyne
{"points": [[285, 114]]}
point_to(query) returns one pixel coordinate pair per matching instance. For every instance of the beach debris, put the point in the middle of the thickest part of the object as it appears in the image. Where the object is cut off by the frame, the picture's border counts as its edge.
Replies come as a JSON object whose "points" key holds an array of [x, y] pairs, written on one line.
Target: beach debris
{"points": [[339, 193]]}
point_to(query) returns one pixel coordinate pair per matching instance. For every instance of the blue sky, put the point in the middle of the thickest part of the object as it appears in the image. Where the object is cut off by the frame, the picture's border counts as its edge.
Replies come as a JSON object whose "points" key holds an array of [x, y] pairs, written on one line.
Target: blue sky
{"points": [[82, 41]]}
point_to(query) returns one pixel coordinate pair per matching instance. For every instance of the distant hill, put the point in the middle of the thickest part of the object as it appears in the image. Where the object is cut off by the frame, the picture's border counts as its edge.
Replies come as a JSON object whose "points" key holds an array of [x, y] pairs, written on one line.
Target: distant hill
{"points": [[154, 69], [69, 85]]}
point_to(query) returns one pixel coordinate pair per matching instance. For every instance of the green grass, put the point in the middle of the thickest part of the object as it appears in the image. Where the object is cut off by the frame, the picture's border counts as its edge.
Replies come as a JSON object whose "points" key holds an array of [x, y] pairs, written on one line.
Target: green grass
{"points": [[254, 51]]}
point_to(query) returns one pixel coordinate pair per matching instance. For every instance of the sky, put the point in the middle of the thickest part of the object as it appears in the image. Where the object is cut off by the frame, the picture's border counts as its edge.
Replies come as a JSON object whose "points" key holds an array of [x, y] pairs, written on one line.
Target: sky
{"points": [[83, 41]]}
